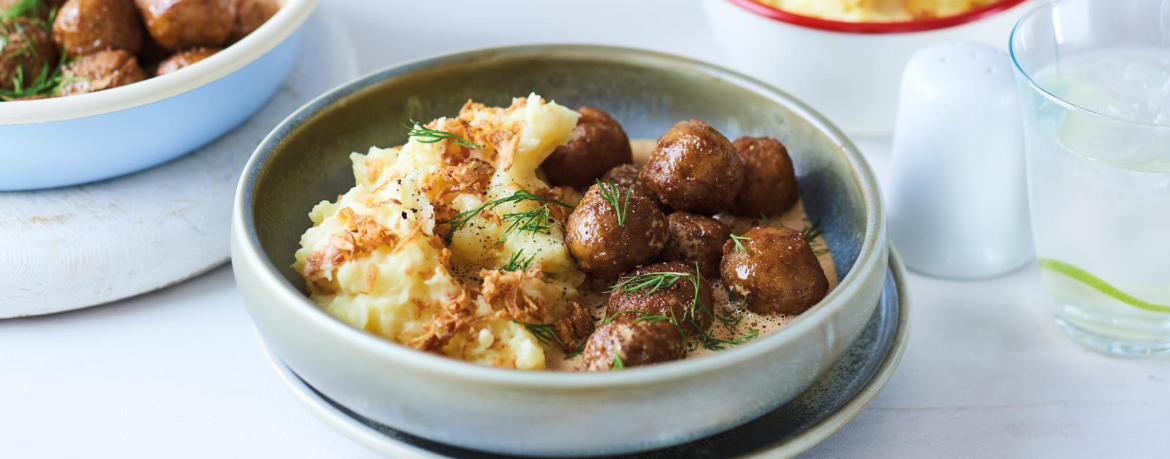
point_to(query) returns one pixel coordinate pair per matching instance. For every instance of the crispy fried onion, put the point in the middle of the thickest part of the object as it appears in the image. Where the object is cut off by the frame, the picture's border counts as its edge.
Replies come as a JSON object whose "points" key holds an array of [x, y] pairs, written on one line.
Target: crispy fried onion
{"points": [[505, 289], [455, 317], [362, 235], [574, 328], [504, 140]]}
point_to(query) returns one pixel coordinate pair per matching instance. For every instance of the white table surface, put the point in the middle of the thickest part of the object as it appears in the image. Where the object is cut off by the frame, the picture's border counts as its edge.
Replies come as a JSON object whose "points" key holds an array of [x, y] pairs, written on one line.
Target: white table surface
{"points": [[178, 373]]}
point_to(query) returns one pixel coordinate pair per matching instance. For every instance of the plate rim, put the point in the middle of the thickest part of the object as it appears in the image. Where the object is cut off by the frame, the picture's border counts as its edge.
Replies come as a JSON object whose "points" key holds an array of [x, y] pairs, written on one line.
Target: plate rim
{"points": [[789, 447]]}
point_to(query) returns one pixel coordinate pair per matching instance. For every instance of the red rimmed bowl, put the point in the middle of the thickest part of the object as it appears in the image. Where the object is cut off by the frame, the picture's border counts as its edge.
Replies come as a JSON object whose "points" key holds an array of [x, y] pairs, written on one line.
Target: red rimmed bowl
{"points": [[850, 71]]}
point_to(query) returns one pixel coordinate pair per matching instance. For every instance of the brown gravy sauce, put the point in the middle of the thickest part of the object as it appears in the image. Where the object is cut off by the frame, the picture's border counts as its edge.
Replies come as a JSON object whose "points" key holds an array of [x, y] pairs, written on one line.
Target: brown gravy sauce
{"points": [[592, 300]]}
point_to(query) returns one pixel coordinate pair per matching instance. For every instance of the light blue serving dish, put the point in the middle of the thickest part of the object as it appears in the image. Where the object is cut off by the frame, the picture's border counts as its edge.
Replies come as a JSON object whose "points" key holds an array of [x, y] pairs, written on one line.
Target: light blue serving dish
{"points": [[77, 139]]}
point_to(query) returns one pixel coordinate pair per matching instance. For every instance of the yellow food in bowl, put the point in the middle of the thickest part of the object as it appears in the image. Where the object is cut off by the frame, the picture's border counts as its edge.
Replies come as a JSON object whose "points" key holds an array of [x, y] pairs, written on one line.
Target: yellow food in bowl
{"points": [[877, 10], [378, 259]]}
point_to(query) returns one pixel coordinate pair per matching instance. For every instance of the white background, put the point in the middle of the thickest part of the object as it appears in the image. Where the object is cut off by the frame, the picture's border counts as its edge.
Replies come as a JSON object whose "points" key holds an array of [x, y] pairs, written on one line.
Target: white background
{"points": [[178, 373]]}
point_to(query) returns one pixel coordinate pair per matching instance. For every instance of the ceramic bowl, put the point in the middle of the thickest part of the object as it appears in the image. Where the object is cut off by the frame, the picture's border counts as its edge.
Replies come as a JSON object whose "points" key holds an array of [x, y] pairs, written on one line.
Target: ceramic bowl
{"points": [[850, 71], [70, 140], [306, 160]]}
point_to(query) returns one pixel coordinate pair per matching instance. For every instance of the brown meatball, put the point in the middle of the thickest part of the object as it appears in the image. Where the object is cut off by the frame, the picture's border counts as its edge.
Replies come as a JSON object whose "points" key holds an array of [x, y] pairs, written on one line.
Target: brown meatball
{"points": [[776, 272], [602, 246], [677, 301], [86, 26], [183, 59], [182, 24], [28, 53], [627, 175], [101, 70], [633, 343], [695, 239], [694, 168], [250, 15], [598, 144], [769, 181]]}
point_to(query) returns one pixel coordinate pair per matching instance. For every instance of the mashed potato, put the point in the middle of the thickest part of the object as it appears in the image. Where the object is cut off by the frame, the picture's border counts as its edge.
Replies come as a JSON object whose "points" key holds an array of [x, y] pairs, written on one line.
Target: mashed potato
{"points": [[877, 10], [384, 257]]}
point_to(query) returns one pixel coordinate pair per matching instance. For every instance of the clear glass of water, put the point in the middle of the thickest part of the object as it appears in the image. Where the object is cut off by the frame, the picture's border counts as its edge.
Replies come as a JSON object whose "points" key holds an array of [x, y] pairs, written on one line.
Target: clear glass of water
{"points": [[1094, 84]]}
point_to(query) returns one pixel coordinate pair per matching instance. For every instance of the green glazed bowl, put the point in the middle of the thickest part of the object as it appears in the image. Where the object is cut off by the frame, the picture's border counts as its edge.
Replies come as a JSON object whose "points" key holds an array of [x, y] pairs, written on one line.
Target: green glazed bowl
{"points": [[306, 160]]}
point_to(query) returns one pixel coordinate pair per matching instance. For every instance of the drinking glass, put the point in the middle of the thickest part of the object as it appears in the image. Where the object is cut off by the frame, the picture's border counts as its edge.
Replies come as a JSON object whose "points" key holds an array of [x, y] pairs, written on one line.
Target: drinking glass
{"points": [[1094, 85]]}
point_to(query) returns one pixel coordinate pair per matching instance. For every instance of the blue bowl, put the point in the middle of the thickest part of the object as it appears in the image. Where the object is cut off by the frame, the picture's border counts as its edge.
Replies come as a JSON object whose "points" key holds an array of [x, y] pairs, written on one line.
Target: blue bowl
{"points": [[78, 139]]}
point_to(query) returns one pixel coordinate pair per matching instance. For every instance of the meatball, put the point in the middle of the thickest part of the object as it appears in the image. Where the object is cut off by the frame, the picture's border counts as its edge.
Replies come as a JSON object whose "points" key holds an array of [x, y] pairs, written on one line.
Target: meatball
{"points": [[695, 239], [86, 26], [250, 15], [182, 24], [623, 175], [627, 175], [183, 59], [28, 52], [628, 342], [694, 168], [775, 271], [598, 144], [678, 300], [607, 241], [100, 70], [769, 186]]}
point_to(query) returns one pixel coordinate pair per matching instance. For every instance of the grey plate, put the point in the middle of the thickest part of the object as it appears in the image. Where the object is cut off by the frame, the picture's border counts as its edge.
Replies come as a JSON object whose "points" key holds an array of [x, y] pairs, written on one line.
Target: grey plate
{"points": [[823, 409]]}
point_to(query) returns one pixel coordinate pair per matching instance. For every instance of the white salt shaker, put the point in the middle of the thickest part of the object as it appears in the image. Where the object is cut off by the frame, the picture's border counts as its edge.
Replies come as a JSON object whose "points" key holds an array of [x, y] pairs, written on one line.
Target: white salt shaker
{"points": [[958, 204]]}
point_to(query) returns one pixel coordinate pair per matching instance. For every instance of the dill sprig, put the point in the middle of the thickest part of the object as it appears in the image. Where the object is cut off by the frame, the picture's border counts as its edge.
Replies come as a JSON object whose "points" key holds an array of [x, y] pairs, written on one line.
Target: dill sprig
{"points": [[715, 344], [647, 283], [738, 240], [812, 232], [427, 135], [733, 318], [544, 333], [618, 364], [517, 262], [580, 349], [764, 219], [612, 194], [462, 218], [45, 84], [535, 221], [24, 8]]}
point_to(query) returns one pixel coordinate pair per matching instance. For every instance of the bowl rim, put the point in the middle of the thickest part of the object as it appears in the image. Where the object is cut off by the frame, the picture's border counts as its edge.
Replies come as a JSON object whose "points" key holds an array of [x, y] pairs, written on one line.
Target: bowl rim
{"points": [[287, 19], [920, 25], [248, 253]]}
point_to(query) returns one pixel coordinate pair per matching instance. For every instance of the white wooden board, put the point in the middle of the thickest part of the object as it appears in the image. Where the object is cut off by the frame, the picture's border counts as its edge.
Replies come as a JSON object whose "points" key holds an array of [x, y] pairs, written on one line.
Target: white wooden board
{"points": [[75, 247]]}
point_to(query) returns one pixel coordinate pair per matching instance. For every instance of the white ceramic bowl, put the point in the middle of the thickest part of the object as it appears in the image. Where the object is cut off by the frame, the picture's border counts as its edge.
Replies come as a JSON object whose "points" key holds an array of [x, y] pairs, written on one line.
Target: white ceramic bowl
{"points": [[306, 159], [850, 71], [77, 139]]}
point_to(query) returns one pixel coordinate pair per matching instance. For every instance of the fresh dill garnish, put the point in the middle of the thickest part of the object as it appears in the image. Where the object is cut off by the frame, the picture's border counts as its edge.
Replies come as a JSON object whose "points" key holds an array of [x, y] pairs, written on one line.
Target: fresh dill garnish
{"points": [[517, 262], [23, 8], [732, 318], [462, 218], [764, 218], [427, 135], [44, 84], [738, 240], [612, 194], [647, 283], [534, 221], [715, 344], [812, 232], [544, 333], [618, 364], [580, 349]]}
